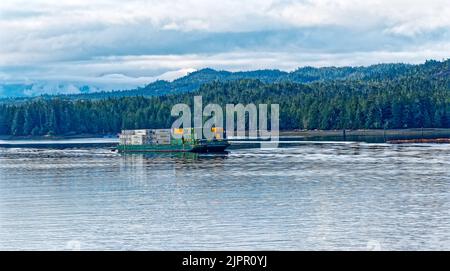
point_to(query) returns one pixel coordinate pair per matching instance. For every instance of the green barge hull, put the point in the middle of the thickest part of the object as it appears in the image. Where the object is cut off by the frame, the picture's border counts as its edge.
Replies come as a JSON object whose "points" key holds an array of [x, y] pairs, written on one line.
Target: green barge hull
{"points": [[202, 147]]}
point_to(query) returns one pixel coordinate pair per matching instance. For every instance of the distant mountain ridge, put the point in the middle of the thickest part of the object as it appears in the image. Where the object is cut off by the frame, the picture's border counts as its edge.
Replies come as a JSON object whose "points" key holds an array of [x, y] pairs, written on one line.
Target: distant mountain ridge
{"points": [[194, 80]]}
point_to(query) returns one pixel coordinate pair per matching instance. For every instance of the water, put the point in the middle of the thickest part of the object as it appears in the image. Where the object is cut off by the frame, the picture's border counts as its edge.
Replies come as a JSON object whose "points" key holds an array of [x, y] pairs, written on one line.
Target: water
{"points": [[327, 196]]}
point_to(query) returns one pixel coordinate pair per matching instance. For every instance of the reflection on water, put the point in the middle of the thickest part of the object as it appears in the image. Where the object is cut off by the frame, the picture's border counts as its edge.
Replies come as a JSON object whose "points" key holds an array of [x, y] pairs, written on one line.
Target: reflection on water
{"points": [[307, 196]]}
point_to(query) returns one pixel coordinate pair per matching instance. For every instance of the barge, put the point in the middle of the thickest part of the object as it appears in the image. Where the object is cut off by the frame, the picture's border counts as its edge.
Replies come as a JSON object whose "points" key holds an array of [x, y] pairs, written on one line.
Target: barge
{"points": [[163, 140]]}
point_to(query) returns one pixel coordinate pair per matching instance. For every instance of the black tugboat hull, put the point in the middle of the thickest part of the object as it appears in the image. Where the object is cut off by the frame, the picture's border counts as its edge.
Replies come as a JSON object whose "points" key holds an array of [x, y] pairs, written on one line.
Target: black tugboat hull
{"points": [[213, 147]]}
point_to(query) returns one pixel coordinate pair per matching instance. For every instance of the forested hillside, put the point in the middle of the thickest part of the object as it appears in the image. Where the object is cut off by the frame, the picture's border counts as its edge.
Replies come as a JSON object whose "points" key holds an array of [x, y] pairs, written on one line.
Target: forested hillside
{"points": [[414, 96], [194, 80]]}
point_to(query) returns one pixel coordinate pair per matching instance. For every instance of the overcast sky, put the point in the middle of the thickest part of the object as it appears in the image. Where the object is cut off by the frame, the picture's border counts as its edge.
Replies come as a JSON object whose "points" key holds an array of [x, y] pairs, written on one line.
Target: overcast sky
{"points": [[113, 44]]}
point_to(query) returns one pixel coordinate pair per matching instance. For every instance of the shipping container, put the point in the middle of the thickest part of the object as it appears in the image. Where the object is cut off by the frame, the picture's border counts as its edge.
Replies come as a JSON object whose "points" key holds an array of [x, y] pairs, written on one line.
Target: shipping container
{"points": [[167, 140]]}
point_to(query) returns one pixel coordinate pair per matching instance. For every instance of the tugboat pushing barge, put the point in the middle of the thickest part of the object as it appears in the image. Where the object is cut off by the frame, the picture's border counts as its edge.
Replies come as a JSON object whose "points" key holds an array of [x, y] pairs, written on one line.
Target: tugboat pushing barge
{"points": [[162, 140]]}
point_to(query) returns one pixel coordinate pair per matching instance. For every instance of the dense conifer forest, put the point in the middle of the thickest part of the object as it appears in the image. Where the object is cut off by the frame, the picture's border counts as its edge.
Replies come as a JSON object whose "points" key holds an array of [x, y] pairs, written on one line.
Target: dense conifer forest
{"points": [[377, 97]]}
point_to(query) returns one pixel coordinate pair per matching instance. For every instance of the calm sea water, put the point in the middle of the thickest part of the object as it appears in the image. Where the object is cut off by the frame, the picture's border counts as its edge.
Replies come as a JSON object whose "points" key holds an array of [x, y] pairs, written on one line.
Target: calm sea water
{"points": [[313, 196]]}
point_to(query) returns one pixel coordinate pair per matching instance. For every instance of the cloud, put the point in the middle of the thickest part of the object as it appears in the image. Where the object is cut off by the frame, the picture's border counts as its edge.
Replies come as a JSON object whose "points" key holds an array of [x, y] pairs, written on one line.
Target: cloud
{"points": [[406, 17], [114, 44], [51, 87]]}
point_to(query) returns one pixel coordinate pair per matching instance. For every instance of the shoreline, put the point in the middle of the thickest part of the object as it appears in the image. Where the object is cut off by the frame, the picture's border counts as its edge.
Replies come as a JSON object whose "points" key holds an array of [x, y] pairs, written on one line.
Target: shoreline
{"points": [[413, 132], [419, 132], [58, 137]]}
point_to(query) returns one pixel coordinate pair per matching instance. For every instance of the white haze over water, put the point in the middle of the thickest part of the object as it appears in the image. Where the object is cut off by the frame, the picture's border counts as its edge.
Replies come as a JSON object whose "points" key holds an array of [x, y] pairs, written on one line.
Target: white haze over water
{"points": [[62, 46]]}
